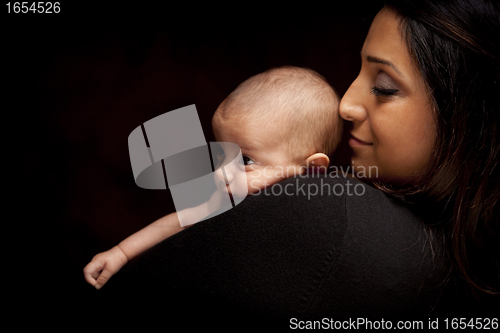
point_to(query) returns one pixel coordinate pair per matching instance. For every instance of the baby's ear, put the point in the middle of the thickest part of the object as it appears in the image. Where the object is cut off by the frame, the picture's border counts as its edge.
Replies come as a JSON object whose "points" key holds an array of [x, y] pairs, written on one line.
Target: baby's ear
{"points": [[318, 161]]}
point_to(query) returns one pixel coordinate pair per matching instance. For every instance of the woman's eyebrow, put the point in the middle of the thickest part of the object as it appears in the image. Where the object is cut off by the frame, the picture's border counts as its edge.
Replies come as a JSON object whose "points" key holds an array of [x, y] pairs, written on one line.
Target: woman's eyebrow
{"points": [[383, 62]]}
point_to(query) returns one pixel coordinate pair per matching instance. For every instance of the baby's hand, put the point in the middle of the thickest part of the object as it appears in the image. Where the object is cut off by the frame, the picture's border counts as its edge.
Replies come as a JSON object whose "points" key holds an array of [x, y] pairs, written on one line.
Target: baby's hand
{"points": [[103, 266], [217, 200]]}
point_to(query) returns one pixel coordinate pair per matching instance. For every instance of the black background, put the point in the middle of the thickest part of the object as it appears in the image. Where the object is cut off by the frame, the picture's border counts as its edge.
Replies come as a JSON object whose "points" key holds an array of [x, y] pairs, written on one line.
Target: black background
{"points": [[75, 84]]}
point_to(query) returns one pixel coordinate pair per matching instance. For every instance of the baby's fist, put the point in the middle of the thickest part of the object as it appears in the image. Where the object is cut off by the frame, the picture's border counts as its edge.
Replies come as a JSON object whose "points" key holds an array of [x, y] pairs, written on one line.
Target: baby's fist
{"points": [[103, 266]]}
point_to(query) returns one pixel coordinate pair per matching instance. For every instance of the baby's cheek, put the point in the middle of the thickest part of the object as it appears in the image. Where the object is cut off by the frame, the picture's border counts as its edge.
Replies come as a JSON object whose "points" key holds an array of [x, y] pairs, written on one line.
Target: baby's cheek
{"points": [[254, 184], [262, 181]]}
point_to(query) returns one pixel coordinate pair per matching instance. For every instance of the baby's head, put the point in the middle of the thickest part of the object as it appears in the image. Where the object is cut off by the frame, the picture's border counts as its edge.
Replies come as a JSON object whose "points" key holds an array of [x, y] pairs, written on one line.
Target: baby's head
{"points": [[284, 120]]}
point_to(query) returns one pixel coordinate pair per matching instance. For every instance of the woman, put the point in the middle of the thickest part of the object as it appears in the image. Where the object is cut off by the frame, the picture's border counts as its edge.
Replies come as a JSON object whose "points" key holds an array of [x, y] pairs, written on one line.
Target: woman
{"points": [[424, 110], [433, 128]]}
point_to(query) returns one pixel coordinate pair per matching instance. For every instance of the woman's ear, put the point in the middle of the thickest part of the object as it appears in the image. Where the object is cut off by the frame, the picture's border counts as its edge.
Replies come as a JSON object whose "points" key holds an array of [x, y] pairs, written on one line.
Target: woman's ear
{"points": [[318, 161]]}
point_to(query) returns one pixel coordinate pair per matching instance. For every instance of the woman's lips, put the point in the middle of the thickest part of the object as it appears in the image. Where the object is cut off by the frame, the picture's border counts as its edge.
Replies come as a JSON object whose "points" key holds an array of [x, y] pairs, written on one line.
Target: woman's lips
{"points": [[355, 142]]}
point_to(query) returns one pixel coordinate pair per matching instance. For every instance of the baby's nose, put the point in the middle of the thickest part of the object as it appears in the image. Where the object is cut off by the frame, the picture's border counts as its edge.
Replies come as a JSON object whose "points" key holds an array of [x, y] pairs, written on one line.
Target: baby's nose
{"points": [[224, 175], [229, 175]]}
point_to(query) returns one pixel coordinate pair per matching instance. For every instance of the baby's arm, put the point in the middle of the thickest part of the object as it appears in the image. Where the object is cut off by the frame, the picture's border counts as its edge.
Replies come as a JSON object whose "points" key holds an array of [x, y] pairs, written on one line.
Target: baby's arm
{"points": [[104, 265]]}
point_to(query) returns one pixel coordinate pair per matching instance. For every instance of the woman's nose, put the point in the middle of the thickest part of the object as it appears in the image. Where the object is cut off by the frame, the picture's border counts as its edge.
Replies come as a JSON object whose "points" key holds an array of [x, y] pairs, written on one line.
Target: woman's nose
{"points": [[351, 106]]}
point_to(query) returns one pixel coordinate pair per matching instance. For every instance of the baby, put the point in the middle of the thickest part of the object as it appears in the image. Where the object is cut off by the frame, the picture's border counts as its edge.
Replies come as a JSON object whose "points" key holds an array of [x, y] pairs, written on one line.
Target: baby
{"points": [[285, 121]]}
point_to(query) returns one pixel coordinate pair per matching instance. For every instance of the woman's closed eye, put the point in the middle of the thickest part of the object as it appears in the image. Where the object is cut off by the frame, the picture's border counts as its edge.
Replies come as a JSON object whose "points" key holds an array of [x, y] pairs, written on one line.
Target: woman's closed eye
{"points": [[384, 86], [377, 91]]}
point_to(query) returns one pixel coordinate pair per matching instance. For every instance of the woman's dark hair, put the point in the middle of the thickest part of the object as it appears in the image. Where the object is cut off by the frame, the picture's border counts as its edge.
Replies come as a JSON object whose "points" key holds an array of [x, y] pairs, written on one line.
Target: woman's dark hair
{"points": [[456, 46]]}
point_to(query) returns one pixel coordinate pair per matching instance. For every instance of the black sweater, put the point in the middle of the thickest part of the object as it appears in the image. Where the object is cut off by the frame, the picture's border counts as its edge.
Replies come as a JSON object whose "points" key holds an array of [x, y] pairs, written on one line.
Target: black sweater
{"points": [[350, 251]]}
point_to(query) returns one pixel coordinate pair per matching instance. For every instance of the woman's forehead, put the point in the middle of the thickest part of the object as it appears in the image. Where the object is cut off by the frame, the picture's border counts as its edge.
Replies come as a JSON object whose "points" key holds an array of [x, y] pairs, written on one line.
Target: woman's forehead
{"points": [[386, 44], [384, 39]]}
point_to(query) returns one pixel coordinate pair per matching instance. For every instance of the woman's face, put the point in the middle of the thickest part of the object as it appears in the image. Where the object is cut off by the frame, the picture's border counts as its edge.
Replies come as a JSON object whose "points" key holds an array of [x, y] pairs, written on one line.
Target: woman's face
{"points": [[393, 128]]}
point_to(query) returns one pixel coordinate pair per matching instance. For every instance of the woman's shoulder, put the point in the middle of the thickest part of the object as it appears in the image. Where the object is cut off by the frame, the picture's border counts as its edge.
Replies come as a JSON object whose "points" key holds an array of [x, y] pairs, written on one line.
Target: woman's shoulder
{"points": [[384, 258], [351, 196]]}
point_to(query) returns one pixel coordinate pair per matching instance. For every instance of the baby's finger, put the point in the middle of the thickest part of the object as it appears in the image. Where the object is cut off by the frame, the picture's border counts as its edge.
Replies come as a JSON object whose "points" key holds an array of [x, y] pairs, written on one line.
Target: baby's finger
{"points": [[103, 278], [91, 272], [96, 274]]}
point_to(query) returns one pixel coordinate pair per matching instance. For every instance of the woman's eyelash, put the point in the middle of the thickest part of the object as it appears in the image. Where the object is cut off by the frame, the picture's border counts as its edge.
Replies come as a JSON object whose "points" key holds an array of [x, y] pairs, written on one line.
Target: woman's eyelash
{"points": [[383, 92]]}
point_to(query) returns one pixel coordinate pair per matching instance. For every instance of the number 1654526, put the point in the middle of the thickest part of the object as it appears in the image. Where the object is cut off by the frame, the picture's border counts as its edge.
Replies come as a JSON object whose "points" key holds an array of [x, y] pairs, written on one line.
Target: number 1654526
{"points": [[33, 7]]}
